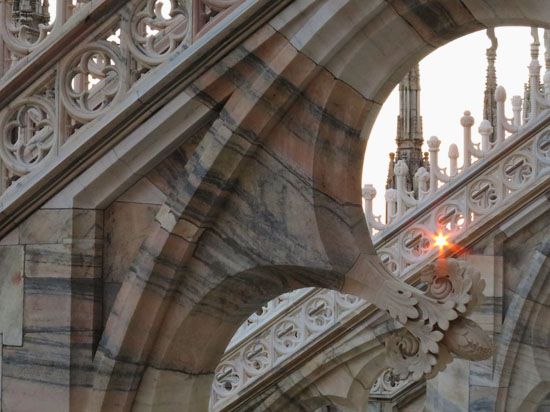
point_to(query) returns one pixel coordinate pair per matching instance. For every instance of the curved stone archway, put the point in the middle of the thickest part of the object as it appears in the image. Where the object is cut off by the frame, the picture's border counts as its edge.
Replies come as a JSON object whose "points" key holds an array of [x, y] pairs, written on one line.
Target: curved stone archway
{"points": [[273, 183]]}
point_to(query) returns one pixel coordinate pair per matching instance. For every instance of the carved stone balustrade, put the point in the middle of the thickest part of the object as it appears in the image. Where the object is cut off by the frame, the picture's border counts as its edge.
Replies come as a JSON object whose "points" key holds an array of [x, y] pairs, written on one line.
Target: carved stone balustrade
{"points": [[309, 314], [87, 81]]}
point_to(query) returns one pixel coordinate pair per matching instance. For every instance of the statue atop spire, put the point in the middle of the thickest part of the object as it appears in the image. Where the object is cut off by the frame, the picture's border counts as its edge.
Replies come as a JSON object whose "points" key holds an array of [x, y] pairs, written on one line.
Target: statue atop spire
{"points": [[489, 102], [409, 129]]}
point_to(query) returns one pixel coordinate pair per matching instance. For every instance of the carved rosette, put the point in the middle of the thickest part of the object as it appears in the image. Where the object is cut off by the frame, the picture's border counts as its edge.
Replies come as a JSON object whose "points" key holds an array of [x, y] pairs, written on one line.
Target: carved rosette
{"points": [[29, 134], [417, 243], [484, 194], [93, 80], [155, 33], [319, 313], [435, 323], [227, 379], [517, 170], [256, 358], [450, 218]]}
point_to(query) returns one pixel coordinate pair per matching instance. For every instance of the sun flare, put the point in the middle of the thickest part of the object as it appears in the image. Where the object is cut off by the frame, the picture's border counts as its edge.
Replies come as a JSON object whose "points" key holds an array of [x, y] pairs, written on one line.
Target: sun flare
{"points": [[440, 240]]}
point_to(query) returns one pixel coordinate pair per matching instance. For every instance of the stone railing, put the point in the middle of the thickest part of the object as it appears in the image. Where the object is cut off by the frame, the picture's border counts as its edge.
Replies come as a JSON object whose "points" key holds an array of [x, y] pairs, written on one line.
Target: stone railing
{"points": [[86, 81], [279, 337], [427, 182], [461, 203], [268, 312], [26, 25]]}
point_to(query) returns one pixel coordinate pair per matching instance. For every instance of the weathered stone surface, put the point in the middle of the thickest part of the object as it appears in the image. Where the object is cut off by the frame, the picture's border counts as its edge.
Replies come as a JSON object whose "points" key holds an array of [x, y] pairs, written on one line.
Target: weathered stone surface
{"points": [[252, 157], [11, 294]]}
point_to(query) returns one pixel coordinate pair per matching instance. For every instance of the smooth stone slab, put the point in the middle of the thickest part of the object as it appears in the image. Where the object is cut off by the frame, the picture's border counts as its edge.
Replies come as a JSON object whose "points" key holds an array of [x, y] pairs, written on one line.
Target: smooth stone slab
{"points": [[11, 294]]}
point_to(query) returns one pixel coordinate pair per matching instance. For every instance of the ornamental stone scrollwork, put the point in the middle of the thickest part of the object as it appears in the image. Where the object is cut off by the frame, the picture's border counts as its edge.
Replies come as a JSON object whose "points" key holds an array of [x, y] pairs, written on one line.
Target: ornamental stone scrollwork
{"points": [[280, 335], [319, 314], [28, 134], [288, 336], [156, 33], [450, 218], [517, 170], [390, 263], [344, 305], [257, 358], [424, 346], [227, 380], [416, 242], [405, 358], [484, 194], [267, 313], [93, 79]]}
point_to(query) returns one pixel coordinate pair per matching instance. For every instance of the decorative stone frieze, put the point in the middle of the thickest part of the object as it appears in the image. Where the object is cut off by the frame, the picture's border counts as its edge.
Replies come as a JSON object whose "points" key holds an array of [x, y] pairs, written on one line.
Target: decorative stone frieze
{"points": [[93, 77]]}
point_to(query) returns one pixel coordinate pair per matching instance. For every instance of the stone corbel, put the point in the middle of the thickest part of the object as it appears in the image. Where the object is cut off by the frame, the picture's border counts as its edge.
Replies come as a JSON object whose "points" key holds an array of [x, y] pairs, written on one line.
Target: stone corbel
{"points": [[441, 329]]}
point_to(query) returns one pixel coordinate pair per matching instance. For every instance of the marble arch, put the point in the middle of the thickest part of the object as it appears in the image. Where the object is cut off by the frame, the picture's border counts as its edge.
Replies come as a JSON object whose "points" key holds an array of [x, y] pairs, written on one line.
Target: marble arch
{"points": [[310, 85], [268, 198]]}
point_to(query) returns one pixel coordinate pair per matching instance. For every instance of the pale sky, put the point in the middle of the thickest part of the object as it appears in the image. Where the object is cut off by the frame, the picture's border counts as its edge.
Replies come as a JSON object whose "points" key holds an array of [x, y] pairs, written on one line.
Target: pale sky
{"points": [[452, 79]]}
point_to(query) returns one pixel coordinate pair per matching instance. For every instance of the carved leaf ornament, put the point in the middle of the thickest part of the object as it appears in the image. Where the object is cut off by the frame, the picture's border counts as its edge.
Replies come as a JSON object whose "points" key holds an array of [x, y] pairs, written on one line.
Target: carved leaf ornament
{"points": [[435, 323]]}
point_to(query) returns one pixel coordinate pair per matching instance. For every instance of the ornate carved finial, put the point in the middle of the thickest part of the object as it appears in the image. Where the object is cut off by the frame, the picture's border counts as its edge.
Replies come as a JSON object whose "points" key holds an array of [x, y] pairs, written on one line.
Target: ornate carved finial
{"points": [[489, 104], [433, 143], [369, 192]]}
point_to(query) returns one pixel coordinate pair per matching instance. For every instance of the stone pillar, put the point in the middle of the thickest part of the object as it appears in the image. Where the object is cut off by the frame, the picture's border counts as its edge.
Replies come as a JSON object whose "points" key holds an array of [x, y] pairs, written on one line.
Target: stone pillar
{"points": [[62, 309]]}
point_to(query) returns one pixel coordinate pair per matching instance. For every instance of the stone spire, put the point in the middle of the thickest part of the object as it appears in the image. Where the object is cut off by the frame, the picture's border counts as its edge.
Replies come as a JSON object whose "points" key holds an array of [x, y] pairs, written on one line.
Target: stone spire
{"points": [[409, 128], [31, 14], [489, 103]]}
